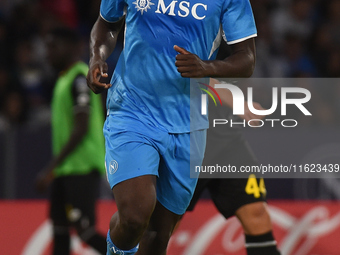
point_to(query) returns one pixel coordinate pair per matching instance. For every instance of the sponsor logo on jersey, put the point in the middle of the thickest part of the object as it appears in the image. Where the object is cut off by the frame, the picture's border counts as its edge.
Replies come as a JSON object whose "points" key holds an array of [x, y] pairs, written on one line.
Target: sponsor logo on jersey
{"points": [[183, 8], [143, 5]]}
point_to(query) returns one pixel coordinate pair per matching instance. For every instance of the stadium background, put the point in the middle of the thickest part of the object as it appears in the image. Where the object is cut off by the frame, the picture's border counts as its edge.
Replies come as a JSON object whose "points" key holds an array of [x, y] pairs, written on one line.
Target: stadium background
{"points": [[296, 38]]}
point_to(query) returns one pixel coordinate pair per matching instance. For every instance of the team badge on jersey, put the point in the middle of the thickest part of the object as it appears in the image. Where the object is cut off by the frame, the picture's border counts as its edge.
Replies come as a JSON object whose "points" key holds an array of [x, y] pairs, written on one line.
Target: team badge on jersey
{"points": [[143, 5], [113, 166]]}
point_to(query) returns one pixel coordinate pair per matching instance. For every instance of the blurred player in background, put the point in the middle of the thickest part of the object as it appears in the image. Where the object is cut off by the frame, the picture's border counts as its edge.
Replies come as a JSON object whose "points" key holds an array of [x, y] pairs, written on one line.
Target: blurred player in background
{"points": [[150, 135], [244, 198], [78, 146]]}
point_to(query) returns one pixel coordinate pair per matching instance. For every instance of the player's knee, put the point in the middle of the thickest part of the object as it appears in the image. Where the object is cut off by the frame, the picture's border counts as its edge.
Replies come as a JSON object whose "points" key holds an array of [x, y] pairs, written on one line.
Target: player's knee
{"points": [[254, 218], [135, 222], [136, 218], [254, 211], [258, 211]]}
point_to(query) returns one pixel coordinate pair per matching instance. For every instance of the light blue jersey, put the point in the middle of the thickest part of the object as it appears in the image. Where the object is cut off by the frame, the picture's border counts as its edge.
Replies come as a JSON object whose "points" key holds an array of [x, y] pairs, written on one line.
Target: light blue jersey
{"points": [[146, 83]]}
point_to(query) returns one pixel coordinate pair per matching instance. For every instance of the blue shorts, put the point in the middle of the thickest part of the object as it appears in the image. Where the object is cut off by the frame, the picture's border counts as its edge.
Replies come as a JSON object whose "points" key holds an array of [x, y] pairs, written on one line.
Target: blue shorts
{"points": [[134, 149]]}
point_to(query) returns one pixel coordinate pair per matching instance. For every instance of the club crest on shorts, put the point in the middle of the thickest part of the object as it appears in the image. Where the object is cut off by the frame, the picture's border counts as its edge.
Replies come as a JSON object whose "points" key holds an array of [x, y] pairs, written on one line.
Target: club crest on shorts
{"points": [[115, 251], [113, 166], [143, 5]]}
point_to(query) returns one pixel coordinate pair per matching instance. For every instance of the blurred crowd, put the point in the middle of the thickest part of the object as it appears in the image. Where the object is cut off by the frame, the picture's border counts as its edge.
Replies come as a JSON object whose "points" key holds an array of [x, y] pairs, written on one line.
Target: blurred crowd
{"points": [[296, 38]]}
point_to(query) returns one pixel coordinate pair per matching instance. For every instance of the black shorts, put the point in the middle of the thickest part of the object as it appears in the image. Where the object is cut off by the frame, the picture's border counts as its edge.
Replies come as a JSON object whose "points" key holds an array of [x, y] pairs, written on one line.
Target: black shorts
{"points": [[227, 146], [73, 198], [229, 195]]}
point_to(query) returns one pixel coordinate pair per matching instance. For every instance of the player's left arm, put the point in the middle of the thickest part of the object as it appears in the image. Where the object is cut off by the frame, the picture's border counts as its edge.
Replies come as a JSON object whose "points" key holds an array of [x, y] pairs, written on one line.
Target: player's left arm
{"points": [[240, 63], [81, 113], [81, 95]]}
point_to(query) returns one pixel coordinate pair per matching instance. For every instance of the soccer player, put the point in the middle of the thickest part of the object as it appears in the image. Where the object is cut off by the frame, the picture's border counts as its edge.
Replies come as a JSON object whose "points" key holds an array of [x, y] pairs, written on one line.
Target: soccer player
{"points": [[244, 198], [150, 139], [78, 146]]}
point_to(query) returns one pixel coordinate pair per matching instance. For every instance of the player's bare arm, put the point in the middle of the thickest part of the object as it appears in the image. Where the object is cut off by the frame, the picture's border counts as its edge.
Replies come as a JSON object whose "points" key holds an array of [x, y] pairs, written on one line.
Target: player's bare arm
{"points": [[241, 63], [46, 176], [103, 40]]}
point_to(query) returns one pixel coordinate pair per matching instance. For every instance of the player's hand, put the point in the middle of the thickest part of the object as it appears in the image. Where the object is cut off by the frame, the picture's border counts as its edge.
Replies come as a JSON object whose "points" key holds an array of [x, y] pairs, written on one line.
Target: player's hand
{"points": [[98, 69], [248, 115], [190, 65], [44, 180], [45, 177]]}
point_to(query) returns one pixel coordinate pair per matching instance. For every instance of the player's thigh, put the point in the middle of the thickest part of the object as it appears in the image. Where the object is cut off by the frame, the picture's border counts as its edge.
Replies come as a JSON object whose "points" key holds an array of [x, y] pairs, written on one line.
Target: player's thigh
{"points": [[136, 199], [132, 167], [231, 194], [129, 155], [222, 194], [177, 180], [254, 218]]}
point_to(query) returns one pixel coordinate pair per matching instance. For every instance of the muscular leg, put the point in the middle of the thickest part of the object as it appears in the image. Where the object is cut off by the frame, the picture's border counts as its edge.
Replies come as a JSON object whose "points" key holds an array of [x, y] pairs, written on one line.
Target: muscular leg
{"points": [[157, 235], [254, 218], [252, 214], [257, 227], [136, 200]]}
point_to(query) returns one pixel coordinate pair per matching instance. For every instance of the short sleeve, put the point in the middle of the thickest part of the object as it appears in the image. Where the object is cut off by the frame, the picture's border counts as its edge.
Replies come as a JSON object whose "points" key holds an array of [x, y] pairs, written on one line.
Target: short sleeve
{"points": [[238, 21], [112, 10], [80, 92]]}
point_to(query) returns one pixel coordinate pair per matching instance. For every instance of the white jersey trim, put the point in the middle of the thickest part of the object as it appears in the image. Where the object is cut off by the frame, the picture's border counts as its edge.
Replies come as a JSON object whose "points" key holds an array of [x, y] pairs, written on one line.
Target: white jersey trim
{"points": [[111, 21], [217, 42], [242, 39]]}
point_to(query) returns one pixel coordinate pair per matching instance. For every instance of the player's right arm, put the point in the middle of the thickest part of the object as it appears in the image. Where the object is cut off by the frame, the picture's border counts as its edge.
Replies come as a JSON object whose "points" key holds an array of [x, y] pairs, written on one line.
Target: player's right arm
{"points": [[103, 40]]}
